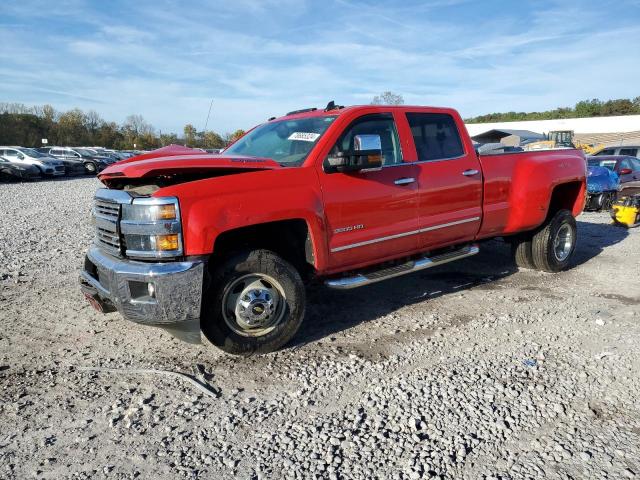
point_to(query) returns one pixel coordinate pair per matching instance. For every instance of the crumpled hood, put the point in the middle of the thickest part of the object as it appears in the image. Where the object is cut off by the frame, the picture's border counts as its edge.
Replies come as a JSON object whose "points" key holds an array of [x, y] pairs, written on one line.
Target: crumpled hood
{"points": [[185, 164]]}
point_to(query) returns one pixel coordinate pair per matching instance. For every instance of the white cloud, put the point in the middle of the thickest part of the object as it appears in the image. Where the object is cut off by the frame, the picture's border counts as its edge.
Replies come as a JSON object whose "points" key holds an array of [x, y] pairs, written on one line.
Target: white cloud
{"points": [[257, 59]]}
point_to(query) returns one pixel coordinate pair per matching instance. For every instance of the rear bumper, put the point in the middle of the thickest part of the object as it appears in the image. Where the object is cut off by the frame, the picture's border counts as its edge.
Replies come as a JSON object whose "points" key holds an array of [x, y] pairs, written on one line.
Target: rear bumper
{"points": [[122, 285]]}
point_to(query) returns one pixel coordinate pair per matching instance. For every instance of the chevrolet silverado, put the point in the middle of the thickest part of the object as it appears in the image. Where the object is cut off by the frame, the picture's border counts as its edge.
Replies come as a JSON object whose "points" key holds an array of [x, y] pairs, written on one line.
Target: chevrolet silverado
{"points": [[225, 244]]}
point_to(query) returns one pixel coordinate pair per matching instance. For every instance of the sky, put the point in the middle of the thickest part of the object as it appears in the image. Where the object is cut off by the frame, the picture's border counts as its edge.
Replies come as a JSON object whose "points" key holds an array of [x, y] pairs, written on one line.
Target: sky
{"points": [[167, 60]]}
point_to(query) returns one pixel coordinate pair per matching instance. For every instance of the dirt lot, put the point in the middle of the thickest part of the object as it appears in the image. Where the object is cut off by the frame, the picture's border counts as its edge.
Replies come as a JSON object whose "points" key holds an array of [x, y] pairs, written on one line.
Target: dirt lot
{"points": [[470, 370]]}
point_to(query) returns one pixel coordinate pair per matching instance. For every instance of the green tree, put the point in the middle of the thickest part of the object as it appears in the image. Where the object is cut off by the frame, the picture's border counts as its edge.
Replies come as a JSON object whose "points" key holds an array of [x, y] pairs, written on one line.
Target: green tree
{"points": [[71, 129], [190, 135], [212, 140]]}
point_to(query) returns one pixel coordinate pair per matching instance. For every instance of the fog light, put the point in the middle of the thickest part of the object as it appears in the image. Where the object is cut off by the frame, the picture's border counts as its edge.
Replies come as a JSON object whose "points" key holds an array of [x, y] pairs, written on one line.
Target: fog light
{"points": [[167, 242], [152, 289]]}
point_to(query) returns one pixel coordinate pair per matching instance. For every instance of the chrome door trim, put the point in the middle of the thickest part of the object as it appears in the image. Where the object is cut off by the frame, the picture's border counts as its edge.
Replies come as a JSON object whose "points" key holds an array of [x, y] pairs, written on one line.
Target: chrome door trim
{"points": [[375, 240], [404, 234]]}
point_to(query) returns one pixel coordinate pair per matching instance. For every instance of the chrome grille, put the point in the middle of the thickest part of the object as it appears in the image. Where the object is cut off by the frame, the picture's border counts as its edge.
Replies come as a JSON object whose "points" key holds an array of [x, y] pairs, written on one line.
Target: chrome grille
{"points": [[107, 215]]}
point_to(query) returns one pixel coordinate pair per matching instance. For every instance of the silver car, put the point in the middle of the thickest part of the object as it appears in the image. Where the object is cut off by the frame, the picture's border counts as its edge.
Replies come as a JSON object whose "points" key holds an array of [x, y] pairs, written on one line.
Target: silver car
{"points": [[47, 165]]}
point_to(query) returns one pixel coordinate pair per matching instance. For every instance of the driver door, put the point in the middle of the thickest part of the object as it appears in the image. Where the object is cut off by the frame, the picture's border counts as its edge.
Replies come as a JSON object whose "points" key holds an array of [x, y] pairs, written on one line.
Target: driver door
{"points": [[371, 215]]}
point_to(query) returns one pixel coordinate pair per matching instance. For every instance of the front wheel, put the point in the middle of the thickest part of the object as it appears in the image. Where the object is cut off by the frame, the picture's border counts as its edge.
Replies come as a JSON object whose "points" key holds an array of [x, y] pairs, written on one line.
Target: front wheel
{"points": [[255, 304], [90, 168], [553, 246]]}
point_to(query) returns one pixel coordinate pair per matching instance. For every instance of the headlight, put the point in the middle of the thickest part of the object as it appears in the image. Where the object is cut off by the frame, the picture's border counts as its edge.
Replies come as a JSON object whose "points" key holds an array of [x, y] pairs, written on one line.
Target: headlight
{"points": [[151, 228]]}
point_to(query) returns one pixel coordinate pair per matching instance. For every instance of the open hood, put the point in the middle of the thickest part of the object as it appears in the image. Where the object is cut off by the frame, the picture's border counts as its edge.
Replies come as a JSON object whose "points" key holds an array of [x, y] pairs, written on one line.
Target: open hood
{"points": [[166, 170]]}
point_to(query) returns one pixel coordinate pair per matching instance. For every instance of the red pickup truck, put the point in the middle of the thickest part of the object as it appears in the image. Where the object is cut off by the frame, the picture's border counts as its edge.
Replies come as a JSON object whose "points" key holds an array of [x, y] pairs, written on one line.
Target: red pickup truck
{"points": [[225, 244]]}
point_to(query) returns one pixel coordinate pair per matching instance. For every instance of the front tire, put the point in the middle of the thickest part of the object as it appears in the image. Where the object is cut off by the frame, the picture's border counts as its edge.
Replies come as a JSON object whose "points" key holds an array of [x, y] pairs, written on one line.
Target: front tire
{"points": [[552, 247], [255, 303]]}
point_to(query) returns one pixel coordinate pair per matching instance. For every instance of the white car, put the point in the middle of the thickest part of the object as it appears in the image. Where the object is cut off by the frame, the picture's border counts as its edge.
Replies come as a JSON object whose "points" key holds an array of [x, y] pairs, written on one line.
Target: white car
{"points": [[47, 165]]}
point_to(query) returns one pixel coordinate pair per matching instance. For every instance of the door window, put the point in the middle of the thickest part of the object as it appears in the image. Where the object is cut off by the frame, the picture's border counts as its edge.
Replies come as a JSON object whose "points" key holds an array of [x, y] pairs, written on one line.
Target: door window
{"points": [[626, 163], [382, 125], [629, 151], [55, 151], [606, 151], [435, 135]]}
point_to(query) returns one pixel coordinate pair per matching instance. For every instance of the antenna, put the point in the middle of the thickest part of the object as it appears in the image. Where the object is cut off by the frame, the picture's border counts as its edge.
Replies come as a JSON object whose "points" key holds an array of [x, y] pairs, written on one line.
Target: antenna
{"points": [[208, 114]]}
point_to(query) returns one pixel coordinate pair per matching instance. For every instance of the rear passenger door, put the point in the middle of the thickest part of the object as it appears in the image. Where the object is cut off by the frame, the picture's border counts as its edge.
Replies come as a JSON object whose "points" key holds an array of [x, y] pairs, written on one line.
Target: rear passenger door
{"points": [[449, 181]]}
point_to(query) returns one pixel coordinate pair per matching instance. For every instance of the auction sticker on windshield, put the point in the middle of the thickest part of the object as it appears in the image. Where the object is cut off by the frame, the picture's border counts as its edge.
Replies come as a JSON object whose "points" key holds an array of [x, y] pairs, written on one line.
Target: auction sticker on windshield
{"points": [[304, 136]]}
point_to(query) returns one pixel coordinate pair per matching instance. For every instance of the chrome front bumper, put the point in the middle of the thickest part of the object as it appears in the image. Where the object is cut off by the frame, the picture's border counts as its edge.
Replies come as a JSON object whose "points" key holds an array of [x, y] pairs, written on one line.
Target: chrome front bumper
{"points": [[122, 285]]}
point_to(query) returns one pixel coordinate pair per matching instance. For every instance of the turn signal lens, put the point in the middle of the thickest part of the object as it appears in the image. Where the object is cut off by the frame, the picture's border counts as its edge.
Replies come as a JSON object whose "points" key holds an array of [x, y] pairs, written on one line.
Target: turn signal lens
{"points": [[166, 212], [167, 242]]}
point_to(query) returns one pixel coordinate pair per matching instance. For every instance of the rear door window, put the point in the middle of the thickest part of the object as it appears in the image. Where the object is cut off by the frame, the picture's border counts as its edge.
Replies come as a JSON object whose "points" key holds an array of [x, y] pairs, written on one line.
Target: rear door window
{"points": [[435, 135], [629, 151]]}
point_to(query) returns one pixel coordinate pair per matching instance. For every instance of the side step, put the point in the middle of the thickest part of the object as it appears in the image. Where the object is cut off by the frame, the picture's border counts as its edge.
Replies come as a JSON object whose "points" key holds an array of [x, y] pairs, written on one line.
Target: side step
{"points": [[361, 279]]}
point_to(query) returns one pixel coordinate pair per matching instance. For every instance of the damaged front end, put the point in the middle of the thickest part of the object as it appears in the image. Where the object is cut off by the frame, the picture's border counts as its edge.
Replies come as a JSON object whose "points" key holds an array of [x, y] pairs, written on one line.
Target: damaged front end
{"points": [[603, 185]]}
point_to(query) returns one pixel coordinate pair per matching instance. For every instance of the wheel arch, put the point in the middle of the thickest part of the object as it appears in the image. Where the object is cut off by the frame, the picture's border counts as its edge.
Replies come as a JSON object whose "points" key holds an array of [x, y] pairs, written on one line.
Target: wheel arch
{"points": [[291, 239], [567, 196]]}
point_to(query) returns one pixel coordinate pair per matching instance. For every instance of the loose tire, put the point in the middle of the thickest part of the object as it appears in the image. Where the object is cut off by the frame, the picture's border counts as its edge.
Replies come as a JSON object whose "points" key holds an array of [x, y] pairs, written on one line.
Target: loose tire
{"points": [[255, 303], [90, 168], [521, 251], [553, 245]]}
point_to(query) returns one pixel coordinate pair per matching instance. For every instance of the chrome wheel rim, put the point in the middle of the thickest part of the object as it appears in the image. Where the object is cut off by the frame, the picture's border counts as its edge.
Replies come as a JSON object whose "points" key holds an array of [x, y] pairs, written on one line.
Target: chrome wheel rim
{"points": [[253, 305], [563, 243]]}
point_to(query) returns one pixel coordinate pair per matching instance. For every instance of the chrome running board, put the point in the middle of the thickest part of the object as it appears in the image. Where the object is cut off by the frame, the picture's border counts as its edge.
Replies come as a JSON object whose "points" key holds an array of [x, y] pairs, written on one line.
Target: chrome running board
{"points": [[367, 278]]}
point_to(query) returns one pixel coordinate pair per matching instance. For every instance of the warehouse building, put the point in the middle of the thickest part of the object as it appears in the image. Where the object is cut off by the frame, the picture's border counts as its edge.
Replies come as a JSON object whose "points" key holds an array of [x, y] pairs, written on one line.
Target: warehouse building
{"points": [[609, 131]]}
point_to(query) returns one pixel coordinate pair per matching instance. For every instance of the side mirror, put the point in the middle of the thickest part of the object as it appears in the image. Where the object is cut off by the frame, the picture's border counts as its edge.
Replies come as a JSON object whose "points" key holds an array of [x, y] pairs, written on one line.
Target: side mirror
{"points": [[366, 155], [21, 156], [625, 171]]}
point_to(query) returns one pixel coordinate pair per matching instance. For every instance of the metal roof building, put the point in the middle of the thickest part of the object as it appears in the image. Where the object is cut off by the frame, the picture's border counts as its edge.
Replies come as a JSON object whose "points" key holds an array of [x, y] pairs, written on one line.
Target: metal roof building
{"points": [[508, 136]]}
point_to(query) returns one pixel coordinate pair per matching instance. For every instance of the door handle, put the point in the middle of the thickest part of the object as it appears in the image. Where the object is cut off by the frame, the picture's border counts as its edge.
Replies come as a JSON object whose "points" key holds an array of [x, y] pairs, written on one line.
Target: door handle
{"points": [[404, 181], [470, 172]]}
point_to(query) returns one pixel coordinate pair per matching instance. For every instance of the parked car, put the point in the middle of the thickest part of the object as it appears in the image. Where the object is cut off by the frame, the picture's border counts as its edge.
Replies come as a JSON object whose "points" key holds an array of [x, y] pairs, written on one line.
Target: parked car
{"points": [[109, 155], [602, 188], [224, 244], [91, 162], [627, 150], [627, 168], [47, 165], [16, 171]]}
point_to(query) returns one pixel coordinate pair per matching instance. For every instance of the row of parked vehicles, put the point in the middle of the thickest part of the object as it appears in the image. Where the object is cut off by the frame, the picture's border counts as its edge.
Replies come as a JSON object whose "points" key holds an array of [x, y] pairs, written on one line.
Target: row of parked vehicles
{"points": [[21, 163], [610, 177]]}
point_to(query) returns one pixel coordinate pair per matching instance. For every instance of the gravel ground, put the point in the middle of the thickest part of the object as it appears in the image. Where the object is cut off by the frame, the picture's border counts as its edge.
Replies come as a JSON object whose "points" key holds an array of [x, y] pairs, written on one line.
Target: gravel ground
{"points": [[470, 370]]}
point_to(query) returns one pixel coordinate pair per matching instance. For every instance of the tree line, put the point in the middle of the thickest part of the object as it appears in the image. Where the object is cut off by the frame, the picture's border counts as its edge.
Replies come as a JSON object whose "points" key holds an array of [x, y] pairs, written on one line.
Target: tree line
{"points": [[27, 125], [583, 109]]}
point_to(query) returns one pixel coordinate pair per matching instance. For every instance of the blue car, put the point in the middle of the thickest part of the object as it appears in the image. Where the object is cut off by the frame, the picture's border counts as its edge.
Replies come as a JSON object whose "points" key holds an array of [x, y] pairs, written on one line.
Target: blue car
{"points": [[602, 188]]}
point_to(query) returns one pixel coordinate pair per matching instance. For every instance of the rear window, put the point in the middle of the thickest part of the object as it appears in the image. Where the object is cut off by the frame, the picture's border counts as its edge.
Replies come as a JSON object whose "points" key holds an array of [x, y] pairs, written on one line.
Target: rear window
{"points": [[435, 135], [594, 162]]}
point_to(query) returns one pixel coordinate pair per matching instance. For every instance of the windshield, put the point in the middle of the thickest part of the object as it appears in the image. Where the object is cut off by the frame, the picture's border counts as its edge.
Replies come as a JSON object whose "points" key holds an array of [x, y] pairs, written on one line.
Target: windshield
{"points": [[288, 142], [32, 153], [594, 162]]}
